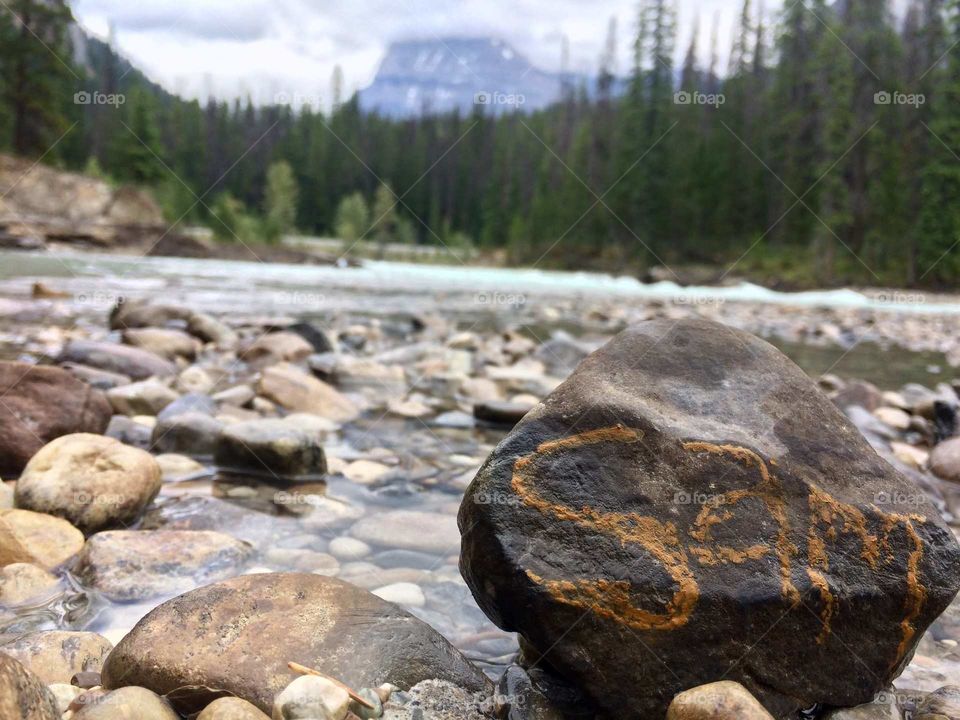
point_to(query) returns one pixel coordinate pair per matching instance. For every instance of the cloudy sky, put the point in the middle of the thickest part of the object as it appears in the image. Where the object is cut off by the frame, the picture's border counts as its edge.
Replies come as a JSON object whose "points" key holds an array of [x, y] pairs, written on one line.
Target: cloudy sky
{"points": [[266, 47]]}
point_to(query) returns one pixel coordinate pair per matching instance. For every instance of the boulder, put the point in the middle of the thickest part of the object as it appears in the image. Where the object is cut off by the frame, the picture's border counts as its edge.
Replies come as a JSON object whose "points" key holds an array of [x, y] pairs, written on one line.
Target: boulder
{"points": [[22, 695], [149, 397], [274, 447], [122, 359], [129, 703], [230, 708], [723, 700], [295, 390], [275, 348], [55, 656], [22, 582], [689, 490], [169, 344], [41, 404], [140, 564], [91, 480], [239, 635], [30, 537]]}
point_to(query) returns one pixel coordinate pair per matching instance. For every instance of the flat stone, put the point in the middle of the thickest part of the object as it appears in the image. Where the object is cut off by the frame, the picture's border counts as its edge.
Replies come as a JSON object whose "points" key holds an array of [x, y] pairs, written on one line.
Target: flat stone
{"points": [[130, 313], [149, 397], [270, 446], [409, 530], [122, 359], [93, 481], [244, 631], [55, 656], [191, 403], [689, 489], [717, 701], [345, 549], [41, 404], [21, 582], [22, 695], [140, 564], [98, 379], [295, 390], [43, 540], [129, 432], [177, 467], [209, 329], [238, 396], [365, 472], [894, 417]]}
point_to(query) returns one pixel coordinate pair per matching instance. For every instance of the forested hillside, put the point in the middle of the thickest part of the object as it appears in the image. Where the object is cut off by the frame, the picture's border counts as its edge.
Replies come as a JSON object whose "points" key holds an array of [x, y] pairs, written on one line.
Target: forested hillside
{"points": [[825, 151]]}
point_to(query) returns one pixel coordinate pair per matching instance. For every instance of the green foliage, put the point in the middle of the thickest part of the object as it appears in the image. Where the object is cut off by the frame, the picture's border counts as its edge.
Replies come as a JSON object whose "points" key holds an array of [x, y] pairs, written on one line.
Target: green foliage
{"points": [[231, 222], [384, 215], [353, 218], [280, 202], [35, 64], [136, 154]]}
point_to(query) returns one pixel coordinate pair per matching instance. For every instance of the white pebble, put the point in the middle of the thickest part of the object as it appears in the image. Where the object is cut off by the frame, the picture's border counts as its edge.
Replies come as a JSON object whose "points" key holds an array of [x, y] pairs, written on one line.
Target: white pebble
{"points": [[402, 594], [348, 549]]}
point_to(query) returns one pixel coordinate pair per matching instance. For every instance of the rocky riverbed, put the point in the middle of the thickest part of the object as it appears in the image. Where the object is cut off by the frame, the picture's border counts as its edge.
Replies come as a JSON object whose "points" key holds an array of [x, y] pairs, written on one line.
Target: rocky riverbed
{"points": [[199, 495]]}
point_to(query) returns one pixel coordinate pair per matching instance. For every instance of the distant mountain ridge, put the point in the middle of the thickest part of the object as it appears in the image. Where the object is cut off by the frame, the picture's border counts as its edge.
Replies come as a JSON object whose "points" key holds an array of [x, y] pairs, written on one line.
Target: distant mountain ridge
{"points": [[441, 75]]}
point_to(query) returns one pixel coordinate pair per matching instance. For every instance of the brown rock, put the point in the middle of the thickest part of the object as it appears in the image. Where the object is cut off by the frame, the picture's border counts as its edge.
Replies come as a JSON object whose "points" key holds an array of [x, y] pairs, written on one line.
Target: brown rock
{"points": [[122, 359], [22, 695], [41, 404], [295, 390], [169, 344], [717, 701], [129, 703], [56, 656], [30, 537], [243, 632], [945, 460]]}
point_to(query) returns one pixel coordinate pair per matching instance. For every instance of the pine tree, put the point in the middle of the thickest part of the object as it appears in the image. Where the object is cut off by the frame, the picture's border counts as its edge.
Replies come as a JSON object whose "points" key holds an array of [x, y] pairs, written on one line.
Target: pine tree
{"points": [[136, 154], [35, 65]]}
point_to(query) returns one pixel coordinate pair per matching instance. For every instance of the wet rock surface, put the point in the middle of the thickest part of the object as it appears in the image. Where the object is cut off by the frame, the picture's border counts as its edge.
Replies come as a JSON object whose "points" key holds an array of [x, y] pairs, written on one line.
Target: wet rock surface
{"points": [[56, 656], [274, 447], [134, 565], [626, 507], [41, 404], [37, 538], [272, 619], [121, 359], [22, 695]]}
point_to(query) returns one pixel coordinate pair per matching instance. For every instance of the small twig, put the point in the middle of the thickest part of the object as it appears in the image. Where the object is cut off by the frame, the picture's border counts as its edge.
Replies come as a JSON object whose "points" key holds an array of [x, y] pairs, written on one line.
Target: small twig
{"points": [[304, 670]]}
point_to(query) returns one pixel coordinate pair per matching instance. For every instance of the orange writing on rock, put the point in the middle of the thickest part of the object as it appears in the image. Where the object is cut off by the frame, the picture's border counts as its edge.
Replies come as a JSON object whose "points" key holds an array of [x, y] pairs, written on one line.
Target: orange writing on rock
{"points": [[829, 519]]}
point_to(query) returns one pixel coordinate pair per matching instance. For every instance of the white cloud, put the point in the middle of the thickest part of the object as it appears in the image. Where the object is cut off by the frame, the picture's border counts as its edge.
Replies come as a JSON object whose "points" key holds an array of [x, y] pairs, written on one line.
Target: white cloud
{"points": [[264, 47]]}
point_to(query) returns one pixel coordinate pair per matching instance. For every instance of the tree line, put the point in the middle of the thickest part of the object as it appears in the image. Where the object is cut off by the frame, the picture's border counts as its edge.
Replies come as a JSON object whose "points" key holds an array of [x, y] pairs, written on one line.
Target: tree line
{"points": [[825, 150]]}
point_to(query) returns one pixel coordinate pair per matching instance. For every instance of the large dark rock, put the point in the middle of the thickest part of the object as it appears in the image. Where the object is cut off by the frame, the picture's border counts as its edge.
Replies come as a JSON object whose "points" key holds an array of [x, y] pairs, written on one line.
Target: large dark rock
{"points": [[239, 635], [41, 404], [688, 507]]}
